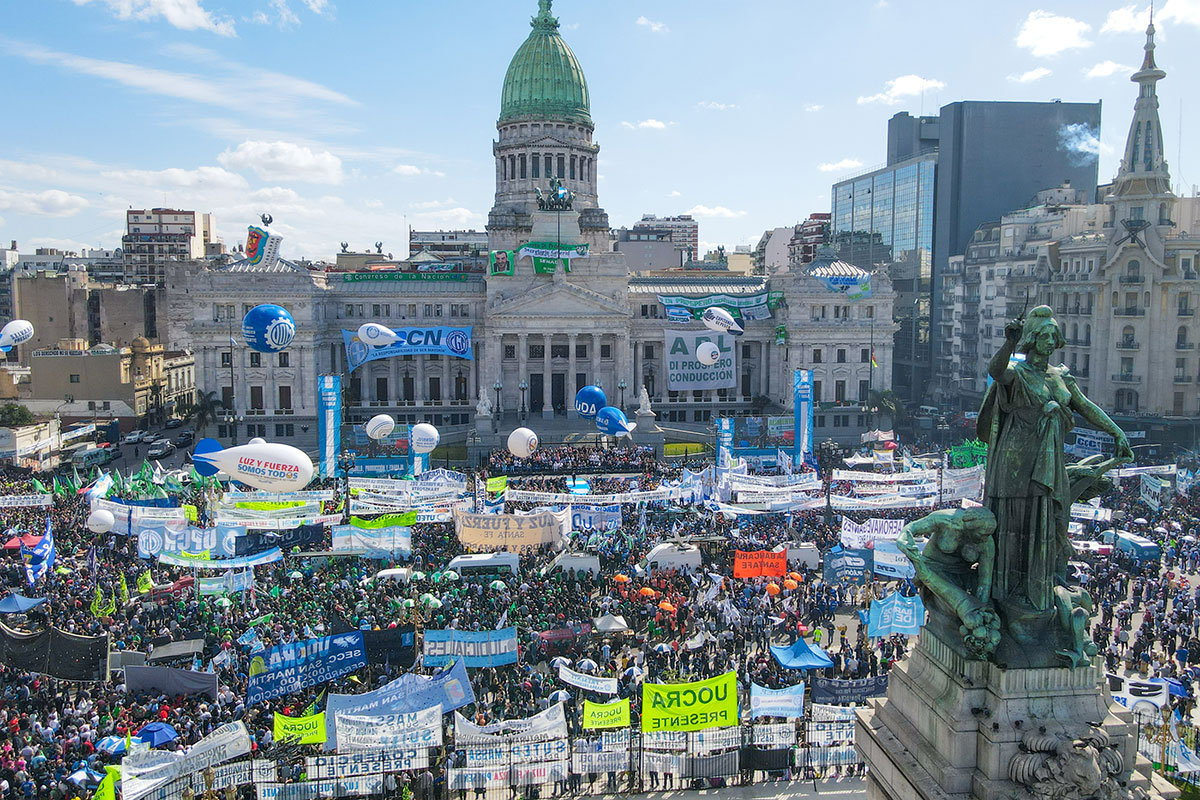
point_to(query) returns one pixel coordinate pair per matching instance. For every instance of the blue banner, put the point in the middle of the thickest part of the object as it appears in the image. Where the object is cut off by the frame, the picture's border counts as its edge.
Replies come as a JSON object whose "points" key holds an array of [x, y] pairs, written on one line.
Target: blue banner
{"points": [[855, 566], [724, 442], [787, 703], [289, 668], [435, 341], [450, 688], [890, 562], [802, 404], [329, 423], [374, 543], [831, 690], [600, 518], [896, 614], [476, 648]]}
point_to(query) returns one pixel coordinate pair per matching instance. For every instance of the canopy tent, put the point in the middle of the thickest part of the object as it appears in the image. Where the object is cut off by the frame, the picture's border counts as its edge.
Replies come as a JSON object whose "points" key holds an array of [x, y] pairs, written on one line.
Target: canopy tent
{"points": [[801, 655], [28, 540], [18, 604], [611, 624]]}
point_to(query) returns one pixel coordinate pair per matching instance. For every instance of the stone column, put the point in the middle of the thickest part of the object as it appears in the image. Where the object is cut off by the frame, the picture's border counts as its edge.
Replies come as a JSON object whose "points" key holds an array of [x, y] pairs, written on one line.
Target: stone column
{"points": [[420, 390], [447, 380], [397, 390], [594, 375], [572, 389], [522, 369], [621, 366], [547, 395]]}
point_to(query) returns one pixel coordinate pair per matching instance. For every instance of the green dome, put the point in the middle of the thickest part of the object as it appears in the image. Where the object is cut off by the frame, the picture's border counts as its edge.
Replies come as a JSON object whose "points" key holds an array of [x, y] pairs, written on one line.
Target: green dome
{"points": [[544, 80]]}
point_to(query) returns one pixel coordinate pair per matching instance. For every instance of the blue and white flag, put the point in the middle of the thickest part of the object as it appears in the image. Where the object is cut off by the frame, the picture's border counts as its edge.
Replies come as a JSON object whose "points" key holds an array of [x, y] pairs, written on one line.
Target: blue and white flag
{"points": [[39, 559], [896, 614], [787, 703]]}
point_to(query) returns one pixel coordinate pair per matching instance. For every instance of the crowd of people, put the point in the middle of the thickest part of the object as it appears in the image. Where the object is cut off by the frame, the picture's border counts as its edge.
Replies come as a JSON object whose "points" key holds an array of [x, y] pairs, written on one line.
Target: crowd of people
{"points": [[685, 624]]}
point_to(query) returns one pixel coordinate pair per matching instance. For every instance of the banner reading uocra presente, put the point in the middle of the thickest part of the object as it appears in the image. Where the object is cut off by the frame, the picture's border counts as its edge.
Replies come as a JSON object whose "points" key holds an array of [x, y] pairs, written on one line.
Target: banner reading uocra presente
{"points": [[685, 373], [692, 706]]}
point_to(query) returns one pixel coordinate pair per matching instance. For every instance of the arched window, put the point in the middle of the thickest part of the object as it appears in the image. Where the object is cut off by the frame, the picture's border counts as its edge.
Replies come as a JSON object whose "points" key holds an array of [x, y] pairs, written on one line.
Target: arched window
{"points": [[1087, 333], [1074, 332], [1134, 268], [1181, 336], [1127, 335]]}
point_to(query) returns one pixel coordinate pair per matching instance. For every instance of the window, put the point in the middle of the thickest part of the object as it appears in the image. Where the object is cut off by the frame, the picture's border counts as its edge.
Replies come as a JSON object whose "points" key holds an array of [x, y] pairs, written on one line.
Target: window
{"points": [[349, 309], [437, 309], [864, 391], [870, 312], [381, 388], [839, 391], [746, 351], [222, 431], [864, 355], [227, 398], [285, 398], [820, 422], [284, 429], [606, 351], [255, 359], [648, 351], [560, 351], [74, 378], [841, 356], [537, 351], [837, 420], [521, 161], [510, 352], [375, 309], [226, 359], [816, 359], [256, 397], [285, 359], [358, 310], [429, 309], [816, 391], [581, 352], [256, 430], [561, 165], [533, 167]]}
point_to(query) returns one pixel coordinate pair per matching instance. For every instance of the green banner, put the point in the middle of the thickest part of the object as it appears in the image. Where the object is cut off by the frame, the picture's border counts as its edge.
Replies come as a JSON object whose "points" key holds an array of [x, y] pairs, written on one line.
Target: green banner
{"points": [[408, 518], [968, 454], [497, 484], [751, 306], [500, 262], [304, 730], [690, 706], [260, 505], [606, 715]]}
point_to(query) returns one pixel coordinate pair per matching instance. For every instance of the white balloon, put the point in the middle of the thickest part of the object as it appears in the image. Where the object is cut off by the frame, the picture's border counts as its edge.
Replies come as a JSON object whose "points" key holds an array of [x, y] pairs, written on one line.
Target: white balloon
{"points": [[101, 521], [707, 353], [716, 318], [270, 466], [376, 335], [425, 437], [522, 442], [257, 440], [16, 332], [379, 426]]}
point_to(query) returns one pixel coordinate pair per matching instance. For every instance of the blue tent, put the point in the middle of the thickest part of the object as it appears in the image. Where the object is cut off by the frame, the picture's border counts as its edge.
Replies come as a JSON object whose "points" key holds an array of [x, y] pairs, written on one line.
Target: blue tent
{"points": [[157, 733], [18, 604], [801, 655]]}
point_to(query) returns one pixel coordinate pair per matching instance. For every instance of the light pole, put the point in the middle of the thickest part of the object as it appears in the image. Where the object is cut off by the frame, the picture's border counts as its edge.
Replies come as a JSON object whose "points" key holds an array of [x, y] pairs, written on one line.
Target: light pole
{"points": [[345, 463], [497, 386], [233, 420], [229, 417], [523, 386], [621, 386]]}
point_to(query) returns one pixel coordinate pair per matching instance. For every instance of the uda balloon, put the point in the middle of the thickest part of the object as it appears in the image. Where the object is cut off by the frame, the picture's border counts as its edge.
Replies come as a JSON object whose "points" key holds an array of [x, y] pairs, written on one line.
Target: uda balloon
{"points": [[589, 400], [612, 421], [522, 442], [707, 353], [425, 438], [268, 328], [270, 466], [716, 318], [376, 335], [14, 333]]}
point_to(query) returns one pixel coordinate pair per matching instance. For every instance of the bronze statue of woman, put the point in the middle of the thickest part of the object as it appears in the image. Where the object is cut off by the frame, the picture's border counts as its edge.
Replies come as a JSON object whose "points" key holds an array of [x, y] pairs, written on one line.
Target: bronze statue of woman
{"points": [[1028, 410]]}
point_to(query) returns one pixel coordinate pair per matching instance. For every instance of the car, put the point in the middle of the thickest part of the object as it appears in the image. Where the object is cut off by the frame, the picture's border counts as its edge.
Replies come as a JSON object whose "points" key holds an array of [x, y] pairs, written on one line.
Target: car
{"points": [[174, 422], [160, 449], [133, 437], [185, 438]]}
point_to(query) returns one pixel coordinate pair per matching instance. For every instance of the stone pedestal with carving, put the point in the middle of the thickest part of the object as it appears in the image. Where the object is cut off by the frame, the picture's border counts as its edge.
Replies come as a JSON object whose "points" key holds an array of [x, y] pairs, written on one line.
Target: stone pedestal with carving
{"points": [[954, 728]]}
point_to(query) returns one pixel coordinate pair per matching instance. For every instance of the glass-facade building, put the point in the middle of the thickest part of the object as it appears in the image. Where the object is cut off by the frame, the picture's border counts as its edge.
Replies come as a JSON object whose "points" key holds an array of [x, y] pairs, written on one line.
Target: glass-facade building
{"points": [[883, 219]]}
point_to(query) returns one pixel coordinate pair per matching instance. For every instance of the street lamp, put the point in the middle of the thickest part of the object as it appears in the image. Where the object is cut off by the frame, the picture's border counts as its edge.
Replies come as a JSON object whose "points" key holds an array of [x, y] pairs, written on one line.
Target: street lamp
{"points": [[345, 462], [233, 420], [523, 386], [497, 386], [621, 385]]}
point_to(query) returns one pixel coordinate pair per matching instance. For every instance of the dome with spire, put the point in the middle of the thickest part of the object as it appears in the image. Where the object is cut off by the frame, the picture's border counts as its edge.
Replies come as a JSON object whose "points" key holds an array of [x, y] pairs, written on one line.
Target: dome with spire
{"points": [[544, 80]]}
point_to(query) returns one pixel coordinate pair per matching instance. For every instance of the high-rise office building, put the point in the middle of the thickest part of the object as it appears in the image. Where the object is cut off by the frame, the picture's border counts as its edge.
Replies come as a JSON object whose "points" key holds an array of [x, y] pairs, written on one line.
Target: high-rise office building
{"points": [[946, 176], [154, 236], [685, 231]]}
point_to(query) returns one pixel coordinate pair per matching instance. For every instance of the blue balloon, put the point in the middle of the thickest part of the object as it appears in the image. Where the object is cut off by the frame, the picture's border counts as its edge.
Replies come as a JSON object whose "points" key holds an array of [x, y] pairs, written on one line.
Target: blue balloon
{"points": [[589, 400], [268, 328], [611, 421]]}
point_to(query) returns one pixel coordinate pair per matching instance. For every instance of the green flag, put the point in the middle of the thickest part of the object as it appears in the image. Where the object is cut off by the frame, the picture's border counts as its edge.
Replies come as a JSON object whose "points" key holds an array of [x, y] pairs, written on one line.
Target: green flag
{"points": [[386, 521], [38, 487]]}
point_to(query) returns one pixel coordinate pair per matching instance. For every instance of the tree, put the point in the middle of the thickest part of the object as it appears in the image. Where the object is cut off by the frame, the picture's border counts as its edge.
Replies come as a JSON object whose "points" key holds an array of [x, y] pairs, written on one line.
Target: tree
{"points": [[888, 403], [206, 410], [14, 416]]}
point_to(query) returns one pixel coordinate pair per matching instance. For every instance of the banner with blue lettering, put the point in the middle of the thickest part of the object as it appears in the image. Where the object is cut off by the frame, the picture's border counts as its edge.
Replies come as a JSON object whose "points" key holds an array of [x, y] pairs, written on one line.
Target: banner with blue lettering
{"points": [[896, 614], [477, 648], [724, 442], [855, 566], [890, 562], [436, 341], [160, 536], [787, 703], [831, 690], [802, 404], [288, 668], [600, 518], [450, 688], [329, 423]]}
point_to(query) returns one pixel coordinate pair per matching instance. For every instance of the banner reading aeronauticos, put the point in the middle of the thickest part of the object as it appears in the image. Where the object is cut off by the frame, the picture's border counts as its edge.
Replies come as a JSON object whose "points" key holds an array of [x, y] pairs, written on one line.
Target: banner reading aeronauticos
{"points": [[685, 372], [437, 340], [476, 648]]}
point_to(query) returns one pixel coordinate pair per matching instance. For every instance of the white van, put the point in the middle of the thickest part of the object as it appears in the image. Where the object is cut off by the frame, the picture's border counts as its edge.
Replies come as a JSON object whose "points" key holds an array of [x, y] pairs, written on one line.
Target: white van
{"points": [[580, 562], [91, 457], [486, 564], [928, 411], [669, 555], [804, 554]]}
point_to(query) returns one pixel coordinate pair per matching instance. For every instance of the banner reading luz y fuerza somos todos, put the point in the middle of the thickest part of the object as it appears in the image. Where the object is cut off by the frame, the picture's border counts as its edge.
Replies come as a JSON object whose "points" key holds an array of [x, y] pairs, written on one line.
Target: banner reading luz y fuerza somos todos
{"points": [[684, 370], [693, 706]]}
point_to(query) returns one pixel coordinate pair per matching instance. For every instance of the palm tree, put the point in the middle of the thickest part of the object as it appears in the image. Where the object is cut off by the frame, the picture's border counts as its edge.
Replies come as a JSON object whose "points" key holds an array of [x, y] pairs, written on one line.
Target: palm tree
{"points": [[205, 410], [889, 404]]}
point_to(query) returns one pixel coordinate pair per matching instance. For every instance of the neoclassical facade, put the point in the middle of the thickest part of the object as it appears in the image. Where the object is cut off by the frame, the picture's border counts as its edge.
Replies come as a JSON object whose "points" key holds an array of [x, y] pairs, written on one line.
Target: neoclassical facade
{"points": [[537, 336]]}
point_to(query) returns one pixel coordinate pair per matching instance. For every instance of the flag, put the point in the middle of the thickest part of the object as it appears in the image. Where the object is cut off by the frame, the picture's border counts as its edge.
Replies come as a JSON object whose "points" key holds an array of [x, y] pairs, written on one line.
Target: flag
{"points": [[503, 620], [874, 363], [95, 606], [107, 790], [39, 559], [39, 487], [317, 703], [145, 582], [91, 560], [59, 490], [123, 589]]}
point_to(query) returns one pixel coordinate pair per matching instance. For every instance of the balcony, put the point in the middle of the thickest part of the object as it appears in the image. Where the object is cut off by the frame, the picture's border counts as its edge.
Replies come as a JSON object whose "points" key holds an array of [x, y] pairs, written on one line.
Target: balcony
{"points": [[1126, 377], [1133, 279], [1183, 378], [1129, 312], [1187, 312], [1083, 373], [1185, 345], [1128, 344]]}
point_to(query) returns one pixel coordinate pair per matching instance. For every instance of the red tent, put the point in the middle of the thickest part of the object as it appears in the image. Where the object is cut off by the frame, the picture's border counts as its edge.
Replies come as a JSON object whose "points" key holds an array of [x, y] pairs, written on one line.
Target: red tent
{"points": [[17, 541]]}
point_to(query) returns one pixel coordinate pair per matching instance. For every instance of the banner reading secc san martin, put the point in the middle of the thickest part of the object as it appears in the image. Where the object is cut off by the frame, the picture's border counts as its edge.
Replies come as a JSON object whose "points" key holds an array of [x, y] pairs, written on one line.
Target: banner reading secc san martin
{"points": [[693, 706], [436, 340]]}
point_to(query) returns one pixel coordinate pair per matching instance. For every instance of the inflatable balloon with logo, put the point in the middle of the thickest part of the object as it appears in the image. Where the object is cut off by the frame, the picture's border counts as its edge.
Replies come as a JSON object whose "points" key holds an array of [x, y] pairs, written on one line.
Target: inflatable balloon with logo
{"points": [[424, 437], [14, 333], [716, 318], [375, 335], [262, 245], [522, 442], [268, 328], [589, 400], [612, 421], [270, 466], [707, 353], [379, 426]]}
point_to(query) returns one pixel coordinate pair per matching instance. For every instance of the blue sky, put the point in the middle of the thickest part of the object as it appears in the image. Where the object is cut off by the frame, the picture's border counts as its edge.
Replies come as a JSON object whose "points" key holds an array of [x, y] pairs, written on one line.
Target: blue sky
{"points": [[350, 119]]}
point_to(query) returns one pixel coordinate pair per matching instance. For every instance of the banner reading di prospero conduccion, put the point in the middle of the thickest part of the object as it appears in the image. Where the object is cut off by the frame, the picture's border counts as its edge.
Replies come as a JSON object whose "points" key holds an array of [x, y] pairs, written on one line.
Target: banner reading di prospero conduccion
{"points": [[509, 531], [693, 706], [685, 372]]}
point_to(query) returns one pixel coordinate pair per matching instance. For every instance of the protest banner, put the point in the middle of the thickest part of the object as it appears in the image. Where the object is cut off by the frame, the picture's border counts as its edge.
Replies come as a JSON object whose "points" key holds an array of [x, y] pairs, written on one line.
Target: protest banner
{"points": [[291, 667], [896, 614], [589, 683], [690, 706], [476, 648], [509, 531], [774, 737], [606, 715], [787, 703], [370, 732], [144, 771], [685, 372], [751, 564], [854, 566], [890, 563], [305, 730], [856, 536], [832, 691], [340, 766], [599, 518], [543, 726]]}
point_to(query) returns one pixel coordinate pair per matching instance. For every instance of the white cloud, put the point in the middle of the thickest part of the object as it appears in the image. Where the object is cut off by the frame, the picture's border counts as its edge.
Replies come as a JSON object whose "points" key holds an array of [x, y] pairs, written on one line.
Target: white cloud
{"points": [[655, 27], [653, 124], [187, 15], [47, 203], [411, 171], [199, 178], [425, 205], [840, 166], [284, 161], [284, 16], [709, 105], [673, 193], [1032, 75], [1046, 34], [1186, 12], [1127, 19], [901, 87], [716, 211], [812, 107], [317, 6], [227, 84], [1106, 69]]}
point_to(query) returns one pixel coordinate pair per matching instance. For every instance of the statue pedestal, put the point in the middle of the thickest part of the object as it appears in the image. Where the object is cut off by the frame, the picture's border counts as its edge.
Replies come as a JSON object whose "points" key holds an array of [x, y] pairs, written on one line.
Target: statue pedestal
{"points": [[556, 226], [647, 433], [950, 728]]}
